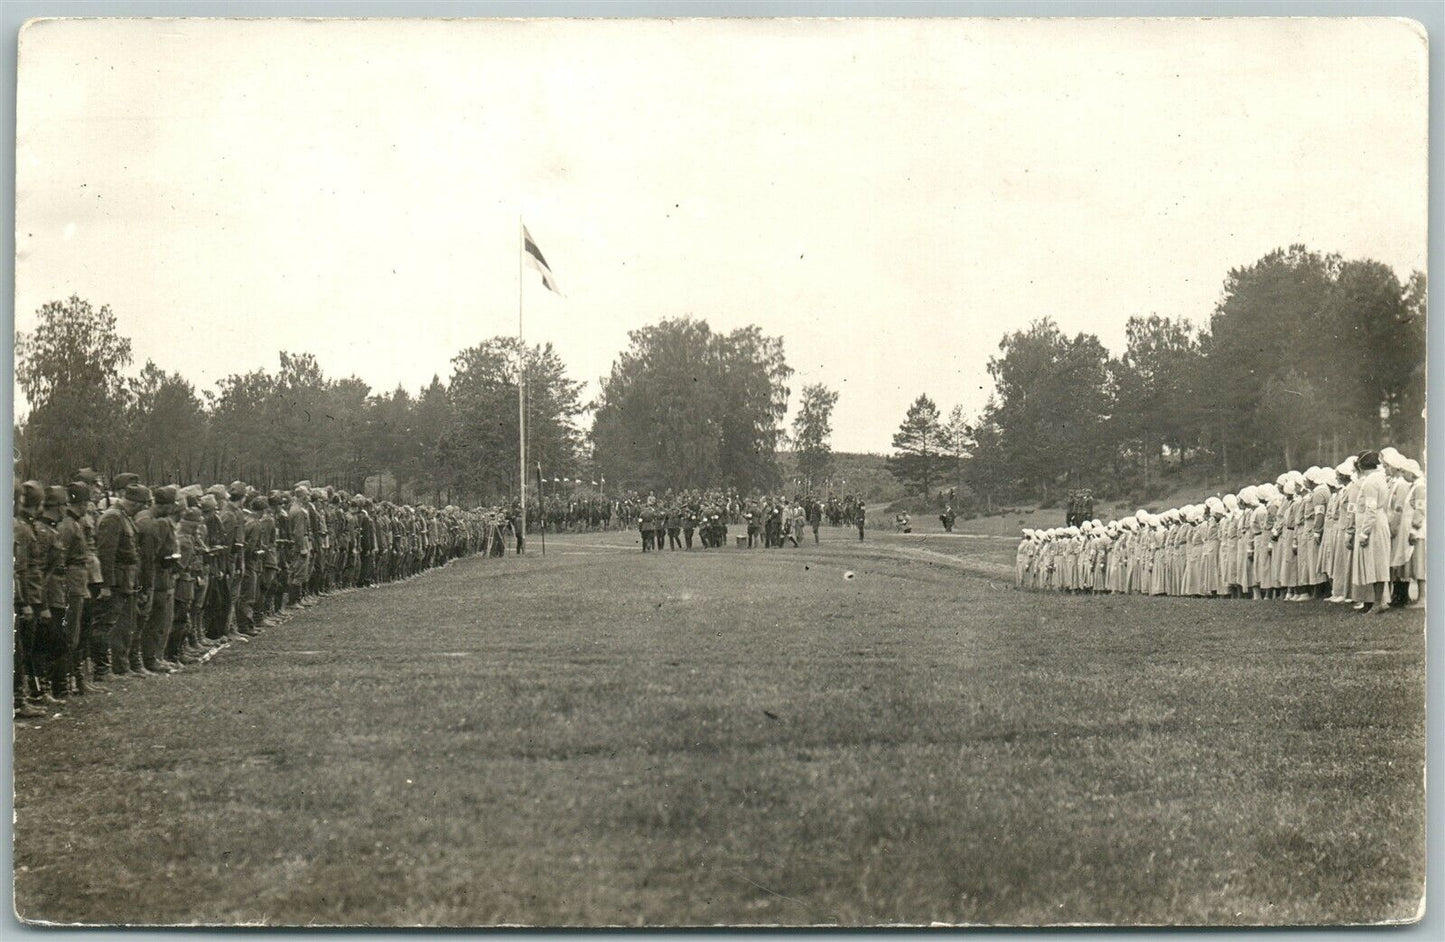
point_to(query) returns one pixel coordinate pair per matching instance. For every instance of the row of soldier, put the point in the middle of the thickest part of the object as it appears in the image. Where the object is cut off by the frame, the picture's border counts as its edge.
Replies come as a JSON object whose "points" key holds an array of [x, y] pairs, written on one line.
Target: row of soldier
{"points": [[1351, 534], [583, 512], [126, 581], [770, 521]]}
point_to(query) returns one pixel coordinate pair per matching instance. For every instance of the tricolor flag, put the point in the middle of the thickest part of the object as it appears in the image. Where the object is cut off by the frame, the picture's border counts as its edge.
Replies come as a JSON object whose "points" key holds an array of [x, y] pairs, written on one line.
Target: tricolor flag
{"points": [[534, 256]]}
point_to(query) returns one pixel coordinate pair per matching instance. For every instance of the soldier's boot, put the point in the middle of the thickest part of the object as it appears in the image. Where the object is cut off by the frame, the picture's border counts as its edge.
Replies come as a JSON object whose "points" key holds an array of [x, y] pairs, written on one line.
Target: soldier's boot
{"points": [[27, 711]]}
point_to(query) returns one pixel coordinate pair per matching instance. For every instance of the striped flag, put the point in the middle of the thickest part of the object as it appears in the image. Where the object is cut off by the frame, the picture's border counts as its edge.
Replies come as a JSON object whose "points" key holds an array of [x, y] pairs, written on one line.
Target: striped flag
{"points": [[534, 256]]}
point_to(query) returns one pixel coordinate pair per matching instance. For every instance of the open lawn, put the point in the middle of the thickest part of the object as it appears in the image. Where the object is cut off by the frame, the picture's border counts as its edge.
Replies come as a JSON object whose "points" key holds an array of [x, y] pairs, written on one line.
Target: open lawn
{"points": [[605, 737]]}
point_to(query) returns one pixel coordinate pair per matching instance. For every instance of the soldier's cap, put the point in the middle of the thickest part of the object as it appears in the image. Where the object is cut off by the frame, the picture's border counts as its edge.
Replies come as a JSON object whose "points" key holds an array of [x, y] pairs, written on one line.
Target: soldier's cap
{"points": [[167, 494], [193, 514], [334, 496], [237, 489], [78, 492], [31, 492], [300, 490], [259, 504], [208, 501], [274, 498], [124, 480], [88, 475], [55, 496], [138, 493], [217, 491]]}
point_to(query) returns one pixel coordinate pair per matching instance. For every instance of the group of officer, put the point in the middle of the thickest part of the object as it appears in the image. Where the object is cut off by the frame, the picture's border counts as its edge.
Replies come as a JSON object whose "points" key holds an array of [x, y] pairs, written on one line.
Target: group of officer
{"points": [[125, 581], [770, 521], [1353, 534]]}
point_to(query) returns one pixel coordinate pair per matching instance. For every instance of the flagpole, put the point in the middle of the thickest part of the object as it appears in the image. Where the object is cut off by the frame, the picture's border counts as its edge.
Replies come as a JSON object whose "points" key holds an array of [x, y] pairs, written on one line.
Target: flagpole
{"points": [[521, 394]]}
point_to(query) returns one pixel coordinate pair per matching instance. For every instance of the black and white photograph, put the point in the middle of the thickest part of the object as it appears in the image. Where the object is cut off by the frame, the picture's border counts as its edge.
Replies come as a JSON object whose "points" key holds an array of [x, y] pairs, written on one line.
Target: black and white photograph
{"points": [[743, 472]]}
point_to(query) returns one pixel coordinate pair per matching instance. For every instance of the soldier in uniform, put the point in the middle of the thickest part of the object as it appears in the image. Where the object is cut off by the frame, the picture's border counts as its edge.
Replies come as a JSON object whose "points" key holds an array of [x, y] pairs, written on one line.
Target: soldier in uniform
{"points": [[49, 647], [93, 641], [158, 554], [74, 560], [254, 556], [298, 555], [645, 524], [183, 647], [27, 593], [691, 517], [30, 590], [674, 525], [214, 605], [115, 544], [366, 527], [233, 523], [270, 558], [858, 516]]}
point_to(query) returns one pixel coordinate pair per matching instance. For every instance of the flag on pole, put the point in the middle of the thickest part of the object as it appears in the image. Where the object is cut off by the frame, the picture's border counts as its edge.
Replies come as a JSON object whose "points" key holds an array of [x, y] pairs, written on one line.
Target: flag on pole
{"points": [[534, 257]]}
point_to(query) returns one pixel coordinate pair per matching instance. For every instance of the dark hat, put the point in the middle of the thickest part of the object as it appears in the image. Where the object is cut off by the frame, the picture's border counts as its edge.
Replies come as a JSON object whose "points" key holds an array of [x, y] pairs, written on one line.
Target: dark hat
{"points": [[124, 480], [31, 492], [193, 514], [259, 504], [274, 498], [138, 493], [168, 494], [237, 489], [78, 492], [55, 496]]}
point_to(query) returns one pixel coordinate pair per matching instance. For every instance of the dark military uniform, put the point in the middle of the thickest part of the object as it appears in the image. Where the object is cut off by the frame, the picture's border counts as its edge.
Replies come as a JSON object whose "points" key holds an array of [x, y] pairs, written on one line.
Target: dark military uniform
{"points": [[157, 573], [115, 545], [674, 527]]}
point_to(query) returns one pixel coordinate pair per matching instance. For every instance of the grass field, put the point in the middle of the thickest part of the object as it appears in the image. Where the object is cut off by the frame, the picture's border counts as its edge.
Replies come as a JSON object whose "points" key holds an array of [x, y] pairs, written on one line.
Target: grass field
{"points": [[605, 737]]}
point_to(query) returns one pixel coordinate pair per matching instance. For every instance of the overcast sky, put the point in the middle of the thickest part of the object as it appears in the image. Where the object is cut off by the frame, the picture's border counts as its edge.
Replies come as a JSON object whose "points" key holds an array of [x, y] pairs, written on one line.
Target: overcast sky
{"points": [[889, 196]]}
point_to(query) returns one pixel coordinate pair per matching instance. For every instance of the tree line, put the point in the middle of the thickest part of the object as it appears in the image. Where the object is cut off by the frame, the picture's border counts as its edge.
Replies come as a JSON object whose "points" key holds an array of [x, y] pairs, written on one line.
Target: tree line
{"points": [[1306, 358], [683, 407]]}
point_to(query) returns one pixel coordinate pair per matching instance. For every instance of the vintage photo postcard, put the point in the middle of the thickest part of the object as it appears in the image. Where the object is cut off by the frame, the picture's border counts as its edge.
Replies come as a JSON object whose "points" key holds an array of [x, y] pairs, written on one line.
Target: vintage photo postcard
{"points": [[754, 472]]}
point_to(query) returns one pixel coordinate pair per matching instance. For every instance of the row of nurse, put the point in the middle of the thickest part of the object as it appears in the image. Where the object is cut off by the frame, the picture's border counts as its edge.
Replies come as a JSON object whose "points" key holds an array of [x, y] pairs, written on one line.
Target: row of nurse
{"points": [[1351, 534]]}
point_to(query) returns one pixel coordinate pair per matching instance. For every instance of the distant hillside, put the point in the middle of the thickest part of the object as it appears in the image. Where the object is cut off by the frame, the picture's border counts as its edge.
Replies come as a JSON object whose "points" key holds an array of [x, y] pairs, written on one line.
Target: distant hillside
{"points": [[853, 473]]}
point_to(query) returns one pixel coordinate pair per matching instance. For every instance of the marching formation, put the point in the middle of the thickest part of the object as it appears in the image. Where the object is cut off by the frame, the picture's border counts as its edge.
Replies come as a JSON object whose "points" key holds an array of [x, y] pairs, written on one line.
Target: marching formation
{"points": [[769, 521], [128, 581], [1350, 534]]}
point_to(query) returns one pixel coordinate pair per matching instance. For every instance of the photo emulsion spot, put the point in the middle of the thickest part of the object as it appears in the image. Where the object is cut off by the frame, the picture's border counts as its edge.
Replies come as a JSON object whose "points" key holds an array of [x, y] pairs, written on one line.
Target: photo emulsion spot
{"points": [[751, 472]]}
